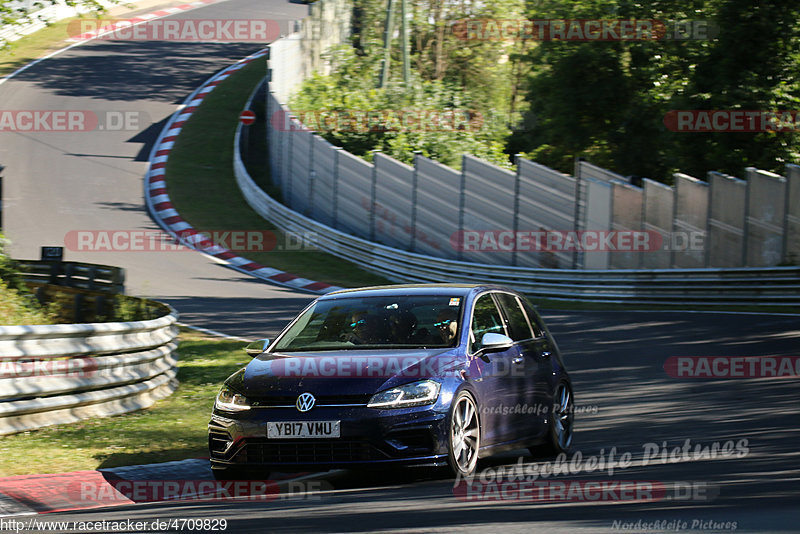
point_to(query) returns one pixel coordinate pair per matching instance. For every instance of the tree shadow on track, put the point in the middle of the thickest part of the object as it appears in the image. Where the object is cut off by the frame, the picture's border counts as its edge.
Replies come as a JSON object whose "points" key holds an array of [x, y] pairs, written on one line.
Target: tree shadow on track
{"points": [[245, 317], [128, 71]]}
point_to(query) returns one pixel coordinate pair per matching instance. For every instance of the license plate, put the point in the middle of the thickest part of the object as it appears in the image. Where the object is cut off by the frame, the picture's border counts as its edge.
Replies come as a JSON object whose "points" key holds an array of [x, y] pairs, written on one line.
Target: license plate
{"points": [[303, 429]]}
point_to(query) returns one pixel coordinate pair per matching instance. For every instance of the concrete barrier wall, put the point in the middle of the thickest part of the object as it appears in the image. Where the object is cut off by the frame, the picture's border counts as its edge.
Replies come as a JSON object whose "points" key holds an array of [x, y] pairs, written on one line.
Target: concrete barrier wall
{"points": [[659, 206], [726, 219], [766, 205], [690, 223], [792, 224], [420, 208]]}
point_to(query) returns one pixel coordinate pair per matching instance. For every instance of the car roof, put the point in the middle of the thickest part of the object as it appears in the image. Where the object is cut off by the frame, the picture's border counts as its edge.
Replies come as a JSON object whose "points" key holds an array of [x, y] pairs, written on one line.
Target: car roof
{"points": [[458, 290]]}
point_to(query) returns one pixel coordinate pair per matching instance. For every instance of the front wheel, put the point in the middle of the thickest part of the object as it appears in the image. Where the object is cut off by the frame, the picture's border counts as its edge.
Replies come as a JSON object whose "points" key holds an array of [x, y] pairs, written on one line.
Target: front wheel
{"points": [[464, 435], [559, 436]]}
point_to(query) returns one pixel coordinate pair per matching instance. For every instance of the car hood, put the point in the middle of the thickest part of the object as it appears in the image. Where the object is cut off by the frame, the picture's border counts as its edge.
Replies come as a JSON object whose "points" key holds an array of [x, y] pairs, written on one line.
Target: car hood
{"points": [[346, 372]]}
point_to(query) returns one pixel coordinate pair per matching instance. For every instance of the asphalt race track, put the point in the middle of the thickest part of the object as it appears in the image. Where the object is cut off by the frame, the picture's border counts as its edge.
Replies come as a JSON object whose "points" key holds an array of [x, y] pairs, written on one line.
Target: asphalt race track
{"points": [[616, 360], [57, 182]]}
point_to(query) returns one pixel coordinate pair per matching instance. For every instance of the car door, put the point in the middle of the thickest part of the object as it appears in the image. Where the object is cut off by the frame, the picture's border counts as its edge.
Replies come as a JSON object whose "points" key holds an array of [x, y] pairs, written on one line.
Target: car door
{"points": [[529, 365], [490, 373]]}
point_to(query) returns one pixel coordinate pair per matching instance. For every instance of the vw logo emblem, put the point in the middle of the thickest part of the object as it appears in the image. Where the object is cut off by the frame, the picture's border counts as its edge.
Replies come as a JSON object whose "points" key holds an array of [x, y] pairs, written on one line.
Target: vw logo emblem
{"points": [[305, 402]]}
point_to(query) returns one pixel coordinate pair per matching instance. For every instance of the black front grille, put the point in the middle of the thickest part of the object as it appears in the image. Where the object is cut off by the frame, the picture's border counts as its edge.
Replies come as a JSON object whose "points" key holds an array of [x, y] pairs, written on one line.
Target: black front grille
{"points": [[323, 400], [306, 452]]}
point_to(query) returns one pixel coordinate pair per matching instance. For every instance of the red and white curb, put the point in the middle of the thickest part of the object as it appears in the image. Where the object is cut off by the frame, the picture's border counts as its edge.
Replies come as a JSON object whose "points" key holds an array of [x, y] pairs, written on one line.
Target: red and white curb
{"points": [[29, 495], [135, 21], [162, 210]]}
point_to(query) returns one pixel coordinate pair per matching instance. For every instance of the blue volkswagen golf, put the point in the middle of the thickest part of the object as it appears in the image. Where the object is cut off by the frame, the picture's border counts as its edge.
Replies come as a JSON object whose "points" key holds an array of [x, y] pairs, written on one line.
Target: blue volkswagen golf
{"points": [[426, 375]]}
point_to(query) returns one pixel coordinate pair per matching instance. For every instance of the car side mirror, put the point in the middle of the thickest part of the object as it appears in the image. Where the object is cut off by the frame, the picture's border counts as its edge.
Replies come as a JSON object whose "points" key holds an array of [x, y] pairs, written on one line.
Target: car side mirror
{"points": [[492, 342], [256, 347]]}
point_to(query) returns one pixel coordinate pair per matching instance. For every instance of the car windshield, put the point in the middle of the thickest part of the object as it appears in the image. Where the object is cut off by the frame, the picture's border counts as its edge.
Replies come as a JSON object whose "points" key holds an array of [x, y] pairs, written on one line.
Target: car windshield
{"points": [[419, 321]]}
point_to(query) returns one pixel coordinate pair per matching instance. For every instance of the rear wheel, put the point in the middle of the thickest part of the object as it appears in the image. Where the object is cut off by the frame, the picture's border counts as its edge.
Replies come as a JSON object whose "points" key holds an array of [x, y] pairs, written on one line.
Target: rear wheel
{"points": [[464, 435], [559, 437]]}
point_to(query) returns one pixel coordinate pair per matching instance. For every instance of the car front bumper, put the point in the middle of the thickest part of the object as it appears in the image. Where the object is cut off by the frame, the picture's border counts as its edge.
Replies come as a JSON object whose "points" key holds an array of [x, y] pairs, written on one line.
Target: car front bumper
{"points": [[408, 436]]}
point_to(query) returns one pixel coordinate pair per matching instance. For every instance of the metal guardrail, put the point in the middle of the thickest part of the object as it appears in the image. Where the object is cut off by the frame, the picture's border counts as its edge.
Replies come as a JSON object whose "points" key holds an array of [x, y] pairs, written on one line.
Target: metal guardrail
{"points": [[55, 374], [774, 286], [73, 274]]}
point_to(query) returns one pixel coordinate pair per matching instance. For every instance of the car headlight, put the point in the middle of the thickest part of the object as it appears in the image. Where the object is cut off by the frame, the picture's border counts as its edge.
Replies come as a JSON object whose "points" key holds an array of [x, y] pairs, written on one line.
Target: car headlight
{"points": [[230, 401], [415, 394]]}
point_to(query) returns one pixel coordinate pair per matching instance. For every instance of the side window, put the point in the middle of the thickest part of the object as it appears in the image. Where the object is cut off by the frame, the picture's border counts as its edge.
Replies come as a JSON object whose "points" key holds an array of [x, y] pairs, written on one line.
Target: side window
{"points": [[517, 323], [533, 317], [485, 318]]}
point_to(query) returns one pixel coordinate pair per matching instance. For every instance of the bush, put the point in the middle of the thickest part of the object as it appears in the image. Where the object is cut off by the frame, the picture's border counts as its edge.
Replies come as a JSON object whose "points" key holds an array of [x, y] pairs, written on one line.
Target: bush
{"points": [[21, 308], [351, 87]]}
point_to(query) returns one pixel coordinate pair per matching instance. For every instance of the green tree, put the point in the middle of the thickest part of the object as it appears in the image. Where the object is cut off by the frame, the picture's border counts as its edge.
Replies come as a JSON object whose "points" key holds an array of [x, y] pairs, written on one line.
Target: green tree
{"points": [[606, 101], [17, 14]]}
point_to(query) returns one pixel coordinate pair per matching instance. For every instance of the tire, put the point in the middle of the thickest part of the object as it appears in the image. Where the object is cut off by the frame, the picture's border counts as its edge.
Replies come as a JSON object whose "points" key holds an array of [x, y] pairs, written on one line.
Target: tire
{"points": [[463, 435], [559, 435]]}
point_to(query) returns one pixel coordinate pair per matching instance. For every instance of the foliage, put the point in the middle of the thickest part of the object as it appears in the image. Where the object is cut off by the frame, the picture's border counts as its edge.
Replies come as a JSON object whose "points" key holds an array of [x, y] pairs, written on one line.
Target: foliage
{"points": [[134, 309], [606, 101], [18, 306], [477, 81], [351, 88], [16, 13], [9, 272], [21, 308]]}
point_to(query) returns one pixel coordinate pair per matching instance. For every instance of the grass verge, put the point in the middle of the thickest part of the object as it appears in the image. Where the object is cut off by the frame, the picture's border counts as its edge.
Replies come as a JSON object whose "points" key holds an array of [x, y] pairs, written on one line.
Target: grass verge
{"points": [[203, 189], [172, 429], [33, 46]]}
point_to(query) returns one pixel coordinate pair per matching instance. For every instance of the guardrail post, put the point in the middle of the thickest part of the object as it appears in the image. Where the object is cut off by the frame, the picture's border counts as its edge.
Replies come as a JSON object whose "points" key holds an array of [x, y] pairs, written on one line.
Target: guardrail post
{"points": [[462, 200], [577, 213], [312, 178], [335, 210], [118, 280], [312, 174], [99, 307], [69, 271], [373, 196], [77, 304], [746, 226], [92, 277], [414, 182], [55, 270], [515, 220], [289, 179]]}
